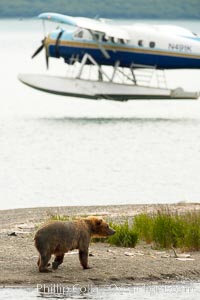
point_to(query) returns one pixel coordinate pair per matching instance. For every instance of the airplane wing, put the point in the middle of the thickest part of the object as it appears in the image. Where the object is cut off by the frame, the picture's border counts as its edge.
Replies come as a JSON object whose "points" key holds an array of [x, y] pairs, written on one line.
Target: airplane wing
{"points": [[90, 24]]}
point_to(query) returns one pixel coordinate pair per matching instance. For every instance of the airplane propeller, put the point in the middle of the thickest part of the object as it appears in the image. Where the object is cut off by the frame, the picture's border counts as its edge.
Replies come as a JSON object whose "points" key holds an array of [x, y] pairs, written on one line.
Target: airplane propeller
{"points": [[39, 49]]}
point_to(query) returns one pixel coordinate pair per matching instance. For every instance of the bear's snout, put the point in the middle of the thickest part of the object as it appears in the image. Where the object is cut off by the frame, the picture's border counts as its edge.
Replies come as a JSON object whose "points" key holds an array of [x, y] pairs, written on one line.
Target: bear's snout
{"points": [[111, 231]]}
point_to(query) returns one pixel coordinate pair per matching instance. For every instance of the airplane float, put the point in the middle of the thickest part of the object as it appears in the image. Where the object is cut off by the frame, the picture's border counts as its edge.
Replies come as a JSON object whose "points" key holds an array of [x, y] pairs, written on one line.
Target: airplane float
{"points": [[116, 53]]}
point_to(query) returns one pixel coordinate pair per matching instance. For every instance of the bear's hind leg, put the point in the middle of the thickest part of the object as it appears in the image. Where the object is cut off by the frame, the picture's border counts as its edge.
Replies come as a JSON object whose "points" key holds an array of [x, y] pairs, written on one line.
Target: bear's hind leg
{"points": [[44, 259], [38, 262], [57, 261]]}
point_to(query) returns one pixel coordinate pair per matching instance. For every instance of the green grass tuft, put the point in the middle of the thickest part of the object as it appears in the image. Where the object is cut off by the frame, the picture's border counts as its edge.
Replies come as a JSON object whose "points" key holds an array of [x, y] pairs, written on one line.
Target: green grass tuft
{"points": [[144, 227], [125, 235], [166, 229]]}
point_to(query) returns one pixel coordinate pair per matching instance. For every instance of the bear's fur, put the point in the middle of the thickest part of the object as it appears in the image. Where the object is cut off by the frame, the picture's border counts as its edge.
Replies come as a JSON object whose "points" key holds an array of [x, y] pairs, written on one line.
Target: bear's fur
{"points": [[59, 237]]}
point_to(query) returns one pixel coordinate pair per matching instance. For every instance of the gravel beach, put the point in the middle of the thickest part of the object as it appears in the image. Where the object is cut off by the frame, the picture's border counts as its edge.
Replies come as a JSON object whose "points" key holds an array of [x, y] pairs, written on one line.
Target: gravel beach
{"points": [[110, 264]]}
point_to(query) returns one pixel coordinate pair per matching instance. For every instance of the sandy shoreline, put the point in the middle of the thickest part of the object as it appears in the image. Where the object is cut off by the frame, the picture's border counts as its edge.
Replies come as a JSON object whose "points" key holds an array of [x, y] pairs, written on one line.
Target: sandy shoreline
{"points": [[109, 264]]}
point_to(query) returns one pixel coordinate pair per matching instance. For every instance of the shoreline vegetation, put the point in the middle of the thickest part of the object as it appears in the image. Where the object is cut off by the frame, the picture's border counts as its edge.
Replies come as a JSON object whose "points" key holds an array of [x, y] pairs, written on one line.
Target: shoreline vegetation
{"points": [[163, 229], [149, 261], [131, 9]]}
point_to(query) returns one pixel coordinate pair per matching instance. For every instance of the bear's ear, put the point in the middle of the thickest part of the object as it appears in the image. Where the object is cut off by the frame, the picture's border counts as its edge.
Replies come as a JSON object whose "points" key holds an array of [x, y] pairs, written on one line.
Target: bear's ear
{"points": [[98, 222]]}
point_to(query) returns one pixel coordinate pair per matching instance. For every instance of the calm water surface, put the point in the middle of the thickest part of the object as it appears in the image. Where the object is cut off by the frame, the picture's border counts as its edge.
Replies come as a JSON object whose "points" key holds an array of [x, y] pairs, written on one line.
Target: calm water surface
{"points": [[65, 151]]}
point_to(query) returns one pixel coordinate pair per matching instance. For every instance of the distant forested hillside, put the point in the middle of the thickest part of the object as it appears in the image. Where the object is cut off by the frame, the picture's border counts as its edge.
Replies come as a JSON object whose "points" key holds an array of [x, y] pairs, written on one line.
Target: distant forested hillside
{"points": [[174, 9]]}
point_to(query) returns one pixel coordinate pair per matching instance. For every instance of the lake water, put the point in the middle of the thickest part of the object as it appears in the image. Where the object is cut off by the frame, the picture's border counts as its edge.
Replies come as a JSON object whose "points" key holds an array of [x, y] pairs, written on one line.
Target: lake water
{"points": [[185, 291], [67, 151]]}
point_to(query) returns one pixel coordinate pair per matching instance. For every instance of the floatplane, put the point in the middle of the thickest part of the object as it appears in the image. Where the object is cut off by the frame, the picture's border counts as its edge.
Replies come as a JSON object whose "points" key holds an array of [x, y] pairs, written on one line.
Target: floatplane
{"points": [[121, 56]]}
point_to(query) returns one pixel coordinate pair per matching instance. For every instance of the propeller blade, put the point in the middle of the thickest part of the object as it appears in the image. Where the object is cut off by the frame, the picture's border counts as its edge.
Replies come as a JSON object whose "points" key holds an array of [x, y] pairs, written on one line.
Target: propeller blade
{"points": [[38, 51], [47, 60]]}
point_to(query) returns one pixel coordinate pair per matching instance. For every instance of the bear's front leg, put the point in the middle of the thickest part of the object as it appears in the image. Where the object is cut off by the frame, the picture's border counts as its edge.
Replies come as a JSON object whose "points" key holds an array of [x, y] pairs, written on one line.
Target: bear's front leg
{"points": [[83, 257]]}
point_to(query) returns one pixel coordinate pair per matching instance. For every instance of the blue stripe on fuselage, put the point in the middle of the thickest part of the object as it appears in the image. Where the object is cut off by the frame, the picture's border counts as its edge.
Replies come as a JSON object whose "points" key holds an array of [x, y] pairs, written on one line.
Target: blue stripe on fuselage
{"points": [[162, 61]]}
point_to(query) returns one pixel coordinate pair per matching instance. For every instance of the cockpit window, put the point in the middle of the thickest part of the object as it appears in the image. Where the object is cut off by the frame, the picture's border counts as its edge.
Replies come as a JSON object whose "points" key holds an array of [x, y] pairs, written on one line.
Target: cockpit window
{"points": [[79, 34]]}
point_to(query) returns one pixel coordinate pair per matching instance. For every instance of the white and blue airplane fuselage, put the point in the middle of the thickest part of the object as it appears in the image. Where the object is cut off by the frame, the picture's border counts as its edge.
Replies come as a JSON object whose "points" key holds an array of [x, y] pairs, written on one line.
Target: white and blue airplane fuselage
{"points": [[139, 45], [123, 48]]}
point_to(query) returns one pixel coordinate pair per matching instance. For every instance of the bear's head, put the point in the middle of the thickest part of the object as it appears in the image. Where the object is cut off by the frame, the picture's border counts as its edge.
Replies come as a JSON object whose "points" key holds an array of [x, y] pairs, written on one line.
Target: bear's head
{"points": [[99, 228]]}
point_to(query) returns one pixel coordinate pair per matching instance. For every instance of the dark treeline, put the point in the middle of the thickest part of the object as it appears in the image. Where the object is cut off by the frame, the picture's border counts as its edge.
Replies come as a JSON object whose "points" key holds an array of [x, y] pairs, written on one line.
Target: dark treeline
{"points": [[158, 9]]}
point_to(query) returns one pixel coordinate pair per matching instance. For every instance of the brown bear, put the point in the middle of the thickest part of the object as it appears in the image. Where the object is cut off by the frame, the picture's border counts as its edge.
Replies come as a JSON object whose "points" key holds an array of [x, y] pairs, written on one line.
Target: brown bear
{"points": [[58, 237]]}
